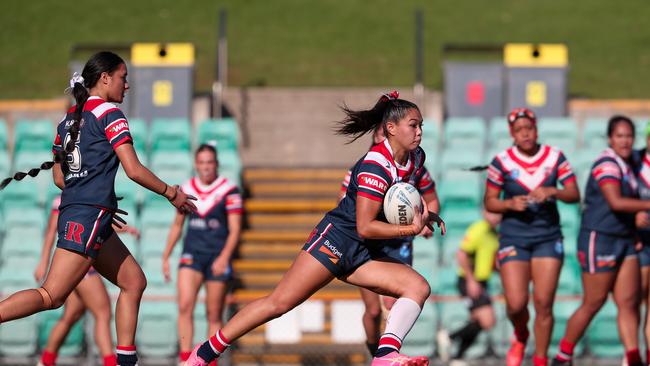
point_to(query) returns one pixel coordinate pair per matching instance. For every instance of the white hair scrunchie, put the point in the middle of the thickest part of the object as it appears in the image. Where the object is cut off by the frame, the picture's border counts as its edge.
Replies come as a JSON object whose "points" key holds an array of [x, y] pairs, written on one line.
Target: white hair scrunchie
{"points": [[76, 78]]}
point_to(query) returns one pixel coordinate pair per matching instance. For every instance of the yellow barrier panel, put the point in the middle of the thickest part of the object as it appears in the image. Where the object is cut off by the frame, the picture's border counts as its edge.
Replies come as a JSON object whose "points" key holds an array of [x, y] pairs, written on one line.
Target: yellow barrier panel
{"points": [[535, 55], [162, 54]]}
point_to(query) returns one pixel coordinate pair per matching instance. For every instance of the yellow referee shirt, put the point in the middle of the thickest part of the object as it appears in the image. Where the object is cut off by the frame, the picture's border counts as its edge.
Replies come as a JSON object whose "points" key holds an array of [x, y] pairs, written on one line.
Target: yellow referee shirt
{"points": [[481, 244]]}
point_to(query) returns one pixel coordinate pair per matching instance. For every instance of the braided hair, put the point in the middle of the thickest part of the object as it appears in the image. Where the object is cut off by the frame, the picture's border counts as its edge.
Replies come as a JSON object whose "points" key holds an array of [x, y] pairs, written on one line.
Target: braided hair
{"points": [[101, 62], [388, 108]]}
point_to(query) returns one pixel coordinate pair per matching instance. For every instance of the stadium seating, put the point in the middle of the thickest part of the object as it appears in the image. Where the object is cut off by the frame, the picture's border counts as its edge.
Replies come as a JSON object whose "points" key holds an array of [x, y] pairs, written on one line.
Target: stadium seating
{"points": [[454, 315], [559, 132], [170, 134], [225, 132], [139, 132], [446, 279], [594, 134], [4, 134], [463, 132], [36, 135], [562, 310], [499, 135], [157, 334], [640, 123], [430, 137], [456, 161]]}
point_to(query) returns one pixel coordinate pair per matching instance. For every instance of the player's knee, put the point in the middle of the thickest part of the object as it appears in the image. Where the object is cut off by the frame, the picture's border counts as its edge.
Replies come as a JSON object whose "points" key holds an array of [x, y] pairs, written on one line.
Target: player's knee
{"points": [[517, 305], [71, 318], [543, 307], [373, 311], [278, 306], [421, 290], [185, 308], [51, 301], [593, 304], [136, 283], [213, 315]]}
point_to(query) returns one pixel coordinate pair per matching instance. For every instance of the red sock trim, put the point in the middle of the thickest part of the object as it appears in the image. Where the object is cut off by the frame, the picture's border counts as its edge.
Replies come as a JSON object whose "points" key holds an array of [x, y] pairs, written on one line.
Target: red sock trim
{"points": [[184, 356], [48, 358], [126, 350], [566, 347], [540, 361], [219, 342], [110, 360], [633, 356], [391, 341]]}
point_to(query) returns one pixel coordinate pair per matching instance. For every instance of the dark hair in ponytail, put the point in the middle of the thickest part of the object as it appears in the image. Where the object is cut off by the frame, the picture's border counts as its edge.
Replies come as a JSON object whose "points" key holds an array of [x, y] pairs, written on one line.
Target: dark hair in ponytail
{"points": [[99, 63], [358, 123]]}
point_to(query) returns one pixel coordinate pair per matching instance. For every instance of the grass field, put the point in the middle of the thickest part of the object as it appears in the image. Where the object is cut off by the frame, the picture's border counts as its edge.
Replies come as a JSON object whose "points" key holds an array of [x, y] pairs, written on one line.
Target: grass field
{"points": [[328, 42]]}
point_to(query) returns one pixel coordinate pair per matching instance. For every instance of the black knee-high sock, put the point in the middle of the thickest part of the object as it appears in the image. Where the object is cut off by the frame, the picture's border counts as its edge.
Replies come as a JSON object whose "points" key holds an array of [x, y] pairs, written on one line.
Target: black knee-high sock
{"points": [[467, 335]]}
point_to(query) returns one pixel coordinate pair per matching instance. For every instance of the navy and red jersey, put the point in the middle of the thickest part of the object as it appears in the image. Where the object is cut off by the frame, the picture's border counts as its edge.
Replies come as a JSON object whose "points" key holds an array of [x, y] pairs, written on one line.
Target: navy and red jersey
{"points": [[597, 215], [426, 183], [371, 177], [641, 162], [517, 174], [90, 170], [207, 228]]}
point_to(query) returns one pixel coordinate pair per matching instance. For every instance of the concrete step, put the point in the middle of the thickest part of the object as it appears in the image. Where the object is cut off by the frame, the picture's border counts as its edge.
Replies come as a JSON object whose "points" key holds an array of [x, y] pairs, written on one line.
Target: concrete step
{"points": [[275, 236], [285, 220], [291, 189], [294, 174]]}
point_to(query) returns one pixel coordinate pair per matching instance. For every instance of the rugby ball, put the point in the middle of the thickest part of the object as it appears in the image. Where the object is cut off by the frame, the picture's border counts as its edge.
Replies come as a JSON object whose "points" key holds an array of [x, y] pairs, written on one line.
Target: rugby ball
{"points": [[400, 202]]}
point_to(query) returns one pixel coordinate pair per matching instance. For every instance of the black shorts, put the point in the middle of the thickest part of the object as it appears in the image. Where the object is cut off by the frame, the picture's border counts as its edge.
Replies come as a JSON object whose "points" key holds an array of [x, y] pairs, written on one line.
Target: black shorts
{"points": [[472, 304]]}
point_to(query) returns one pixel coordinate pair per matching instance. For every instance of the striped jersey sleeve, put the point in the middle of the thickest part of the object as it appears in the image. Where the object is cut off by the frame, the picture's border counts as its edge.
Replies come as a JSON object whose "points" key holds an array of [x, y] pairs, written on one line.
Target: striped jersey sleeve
{"points": [[346, 181], [373, 181], [564, 171], [606, 170], [116, 128], [234, 202], [495, 174], [425, 182]]}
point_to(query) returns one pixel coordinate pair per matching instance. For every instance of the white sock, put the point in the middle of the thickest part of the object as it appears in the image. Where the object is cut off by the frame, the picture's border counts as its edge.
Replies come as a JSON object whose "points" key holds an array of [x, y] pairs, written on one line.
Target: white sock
{"points": [[400, 320]]}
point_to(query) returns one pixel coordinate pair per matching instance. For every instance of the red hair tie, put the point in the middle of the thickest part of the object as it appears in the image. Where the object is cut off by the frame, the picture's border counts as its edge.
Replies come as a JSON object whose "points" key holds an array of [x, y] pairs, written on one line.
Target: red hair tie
{"points": [[390, 96]]}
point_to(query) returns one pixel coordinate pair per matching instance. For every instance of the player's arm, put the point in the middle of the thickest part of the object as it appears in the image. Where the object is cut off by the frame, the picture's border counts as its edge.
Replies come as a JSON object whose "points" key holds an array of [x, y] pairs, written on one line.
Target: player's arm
{"points": [[494, 203], [144, 177], [368, 227], [617, 202], [172, 238], [569, 192], [57, 175], [48, 243], [232, 240]]}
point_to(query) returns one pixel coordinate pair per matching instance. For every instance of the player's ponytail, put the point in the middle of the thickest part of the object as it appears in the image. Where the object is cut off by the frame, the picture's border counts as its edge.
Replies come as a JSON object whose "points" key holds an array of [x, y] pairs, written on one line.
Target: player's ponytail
{"points": [[360, 122], [99, 63]]}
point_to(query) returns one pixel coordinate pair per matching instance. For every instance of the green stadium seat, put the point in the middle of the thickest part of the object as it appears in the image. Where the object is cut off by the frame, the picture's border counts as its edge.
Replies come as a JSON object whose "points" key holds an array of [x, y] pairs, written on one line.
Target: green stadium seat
{"points": [[601, 336], [34, 135], [594, 134], [640, 123], [464, 189], [170, 134], [139, 132], [499, 134], [465, 131], [22, 240], [430, 137], [157, 333], [446, 279], [568, 283], [426, 247], [225, 132], [74, 342], [201, 328], [128, 189], [453, 315], [495, 286], [421, 339], [427, 268], [17, 271], [33, 218], [569, 216], [560, 132], [455, 160], [562, 311], [19, 194], [153, 241], [5, 163], [18, 338], [165, 159], [171, 176]]}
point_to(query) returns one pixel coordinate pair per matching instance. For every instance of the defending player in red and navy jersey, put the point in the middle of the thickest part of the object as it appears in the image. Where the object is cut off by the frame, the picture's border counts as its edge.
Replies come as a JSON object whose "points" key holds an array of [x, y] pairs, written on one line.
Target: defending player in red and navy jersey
{"points": [[524, 183]]}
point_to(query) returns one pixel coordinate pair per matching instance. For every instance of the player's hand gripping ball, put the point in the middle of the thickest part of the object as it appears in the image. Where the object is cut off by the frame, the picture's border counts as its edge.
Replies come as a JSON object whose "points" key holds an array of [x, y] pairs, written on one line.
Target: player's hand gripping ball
{"points": [[400, 203]]}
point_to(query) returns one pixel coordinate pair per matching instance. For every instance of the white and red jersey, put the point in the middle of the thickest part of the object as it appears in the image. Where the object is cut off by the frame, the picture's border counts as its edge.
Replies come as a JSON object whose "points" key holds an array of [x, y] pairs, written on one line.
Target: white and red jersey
{"points": [[371, 177], [207, 228], [517, 174]]}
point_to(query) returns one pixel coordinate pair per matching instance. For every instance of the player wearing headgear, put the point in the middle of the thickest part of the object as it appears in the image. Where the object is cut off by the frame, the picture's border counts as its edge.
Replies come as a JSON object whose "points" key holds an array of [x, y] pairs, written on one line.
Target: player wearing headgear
{"points": [[91, 141], [339, 245], [210, 240], [606, 244], [399, 249], [530, 244]]}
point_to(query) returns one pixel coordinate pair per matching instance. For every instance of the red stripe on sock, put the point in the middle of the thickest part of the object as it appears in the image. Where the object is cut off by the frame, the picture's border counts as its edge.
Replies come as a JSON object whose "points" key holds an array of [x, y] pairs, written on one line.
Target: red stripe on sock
{"points": [[223, 338], [540, 361], [387, 341], [633, 356], [184, 356], [217, 345], [110, 360], [48, 358], [566, 347], [126, 348]]}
